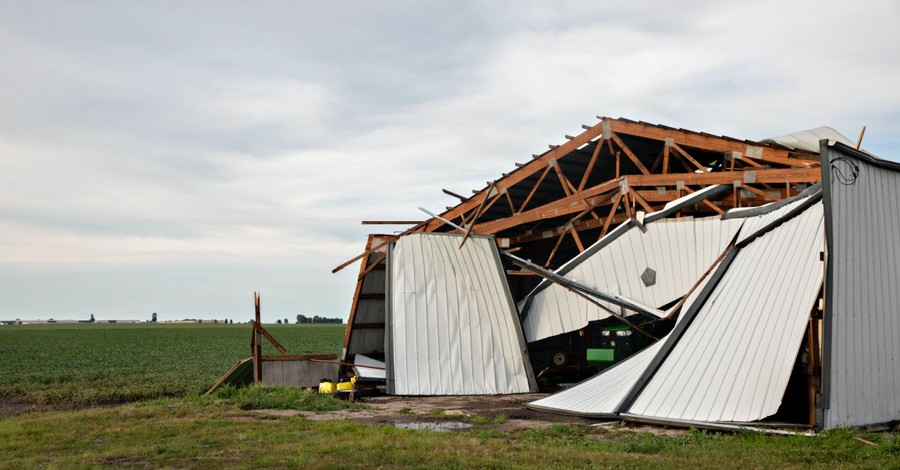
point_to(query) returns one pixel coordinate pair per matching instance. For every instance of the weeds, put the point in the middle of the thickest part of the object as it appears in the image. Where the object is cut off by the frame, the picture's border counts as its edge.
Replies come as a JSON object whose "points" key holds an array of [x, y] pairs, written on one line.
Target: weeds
{"points": [[281, 398]]}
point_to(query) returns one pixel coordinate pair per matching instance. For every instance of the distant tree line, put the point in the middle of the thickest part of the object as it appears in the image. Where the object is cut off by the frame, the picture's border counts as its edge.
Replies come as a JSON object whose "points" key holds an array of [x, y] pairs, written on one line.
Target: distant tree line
{"points": [[302, 319]]}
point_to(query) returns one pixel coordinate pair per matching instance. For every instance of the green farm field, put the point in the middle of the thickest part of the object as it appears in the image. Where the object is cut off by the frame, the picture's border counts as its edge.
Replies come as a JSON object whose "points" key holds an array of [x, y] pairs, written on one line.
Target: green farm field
{"points": [[88, 364], [160, 369]]}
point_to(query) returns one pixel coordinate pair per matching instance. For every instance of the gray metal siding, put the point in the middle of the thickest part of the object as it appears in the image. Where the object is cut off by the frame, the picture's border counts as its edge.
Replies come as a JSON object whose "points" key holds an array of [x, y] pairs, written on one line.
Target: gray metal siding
{"points": [[862, 345], [294, 373]]}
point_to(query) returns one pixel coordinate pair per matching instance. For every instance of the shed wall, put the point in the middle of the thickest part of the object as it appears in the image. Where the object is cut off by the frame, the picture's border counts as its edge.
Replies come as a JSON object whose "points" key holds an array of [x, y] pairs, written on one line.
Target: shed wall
{"points": [[862, 345]]}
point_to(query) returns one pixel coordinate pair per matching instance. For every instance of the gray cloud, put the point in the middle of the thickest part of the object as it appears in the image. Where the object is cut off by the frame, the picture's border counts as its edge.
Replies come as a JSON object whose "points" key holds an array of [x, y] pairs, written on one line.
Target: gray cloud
{"points": [[185, 155]]}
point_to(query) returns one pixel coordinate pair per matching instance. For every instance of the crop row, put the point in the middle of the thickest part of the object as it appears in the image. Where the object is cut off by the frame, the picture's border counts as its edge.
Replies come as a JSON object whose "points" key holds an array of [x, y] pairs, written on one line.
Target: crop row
{"points": [[105, 363]]}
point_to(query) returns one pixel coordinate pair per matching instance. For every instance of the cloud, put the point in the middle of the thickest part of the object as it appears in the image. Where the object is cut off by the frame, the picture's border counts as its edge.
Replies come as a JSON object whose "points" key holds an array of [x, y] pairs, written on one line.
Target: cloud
{"points": [[166, 144]]}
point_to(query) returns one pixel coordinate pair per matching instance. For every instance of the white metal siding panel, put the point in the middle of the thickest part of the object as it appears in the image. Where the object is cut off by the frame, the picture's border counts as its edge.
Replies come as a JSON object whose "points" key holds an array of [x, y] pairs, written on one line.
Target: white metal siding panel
{"points": [[865, 296], [734, 360], [602, 394], [755, 223], [454, 328], [679, 250]]}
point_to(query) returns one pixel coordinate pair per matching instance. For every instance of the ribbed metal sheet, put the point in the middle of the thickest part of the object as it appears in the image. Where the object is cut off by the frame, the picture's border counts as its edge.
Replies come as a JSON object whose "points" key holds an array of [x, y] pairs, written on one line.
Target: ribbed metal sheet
{"points": [[755, 223], [678, 250], [453, 329], [809, 139], [862, 315], [734, 359], [601, 395], [369, 311]]}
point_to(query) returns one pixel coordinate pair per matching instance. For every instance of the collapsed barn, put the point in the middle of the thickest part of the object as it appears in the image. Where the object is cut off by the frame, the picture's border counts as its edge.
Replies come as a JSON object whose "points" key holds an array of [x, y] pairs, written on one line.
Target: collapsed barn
{"points": [[688, 268]]}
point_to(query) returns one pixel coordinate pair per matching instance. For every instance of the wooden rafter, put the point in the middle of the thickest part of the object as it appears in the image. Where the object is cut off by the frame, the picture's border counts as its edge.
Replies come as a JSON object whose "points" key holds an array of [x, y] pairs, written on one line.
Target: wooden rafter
{"points": [[631, 156], [706, 202], [533, 189], [525, 171], [637, 197], [478, 213], [689, 158], [612, 212], [764, 194], [711, 143], [590, 167]]}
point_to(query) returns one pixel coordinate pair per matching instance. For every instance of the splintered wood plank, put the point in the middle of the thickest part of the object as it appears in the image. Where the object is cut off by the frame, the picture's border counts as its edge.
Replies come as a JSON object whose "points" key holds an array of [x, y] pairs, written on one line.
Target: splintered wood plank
{"points": [[478, 213]]}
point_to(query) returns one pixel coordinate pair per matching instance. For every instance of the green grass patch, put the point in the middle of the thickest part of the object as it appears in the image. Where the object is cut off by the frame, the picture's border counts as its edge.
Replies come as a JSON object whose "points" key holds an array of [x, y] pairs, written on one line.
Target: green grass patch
{"points": [[214, 433], [281, 398], [85, 364]]}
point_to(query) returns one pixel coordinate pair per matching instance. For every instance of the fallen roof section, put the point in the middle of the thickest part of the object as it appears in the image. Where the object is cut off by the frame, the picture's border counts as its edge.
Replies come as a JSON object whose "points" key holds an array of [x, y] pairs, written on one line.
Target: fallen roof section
{"points": [[734, 358], [654, 264], [730, 355]]}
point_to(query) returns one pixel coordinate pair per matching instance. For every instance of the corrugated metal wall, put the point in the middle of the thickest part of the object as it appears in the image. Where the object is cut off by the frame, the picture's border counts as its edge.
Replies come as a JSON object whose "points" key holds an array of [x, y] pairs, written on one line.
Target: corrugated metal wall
{"points": [[294, 373], [453, 329], [862, 315]]}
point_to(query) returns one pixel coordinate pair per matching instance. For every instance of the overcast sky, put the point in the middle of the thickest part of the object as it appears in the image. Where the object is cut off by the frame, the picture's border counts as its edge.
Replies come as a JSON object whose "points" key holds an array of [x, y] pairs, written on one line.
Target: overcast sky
{"points": [[158, 157]]}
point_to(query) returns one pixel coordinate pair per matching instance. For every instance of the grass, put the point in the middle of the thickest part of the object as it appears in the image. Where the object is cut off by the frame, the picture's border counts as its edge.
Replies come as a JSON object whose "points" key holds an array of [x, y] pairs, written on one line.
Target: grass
{"points": [[85, 364], [216, 433], [89, 364], [280, 398]]}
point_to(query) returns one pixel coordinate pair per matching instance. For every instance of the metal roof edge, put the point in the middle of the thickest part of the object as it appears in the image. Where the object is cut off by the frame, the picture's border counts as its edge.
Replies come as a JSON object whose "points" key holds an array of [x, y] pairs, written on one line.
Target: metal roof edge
{"points": [[571, 413], [810, 200], [675, 335], [772, 206], [685, 201], [711, 425], [857, 153]]}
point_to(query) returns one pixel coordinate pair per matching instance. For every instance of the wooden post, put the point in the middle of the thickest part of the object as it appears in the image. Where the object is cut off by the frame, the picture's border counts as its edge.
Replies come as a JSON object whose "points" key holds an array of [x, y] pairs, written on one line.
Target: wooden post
{"points": [[255, 343], [810, 369]]}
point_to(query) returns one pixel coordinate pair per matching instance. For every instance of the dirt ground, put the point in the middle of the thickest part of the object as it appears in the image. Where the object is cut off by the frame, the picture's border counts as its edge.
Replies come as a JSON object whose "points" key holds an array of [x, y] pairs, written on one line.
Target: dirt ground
{"points": [[507, 412], [400, 411]]}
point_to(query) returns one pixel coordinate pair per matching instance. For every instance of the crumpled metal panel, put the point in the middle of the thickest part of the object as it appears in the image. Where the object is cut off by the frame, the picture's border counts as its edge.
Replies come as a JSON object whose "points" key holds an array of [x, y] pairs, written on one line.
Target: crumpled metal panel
{"points": [[453, 329], [678, 250], [601, 395], [734, 360]]}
